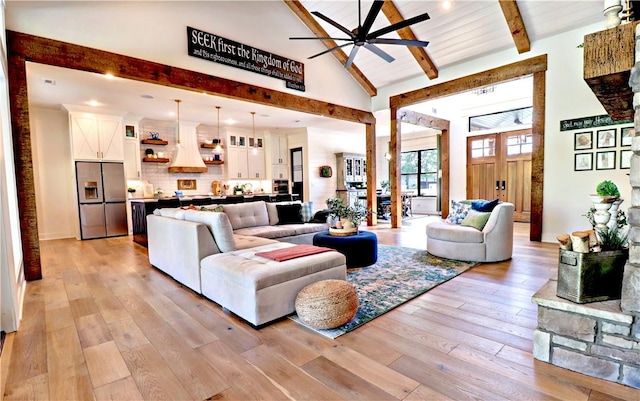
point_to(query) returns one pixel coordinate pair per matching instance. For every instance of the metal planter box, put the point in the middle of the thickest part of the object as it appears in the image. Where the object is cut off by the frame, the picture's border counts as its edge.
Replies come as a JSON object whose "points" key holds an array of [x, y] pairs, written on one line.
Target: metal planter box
{"points": [[591, 277]]}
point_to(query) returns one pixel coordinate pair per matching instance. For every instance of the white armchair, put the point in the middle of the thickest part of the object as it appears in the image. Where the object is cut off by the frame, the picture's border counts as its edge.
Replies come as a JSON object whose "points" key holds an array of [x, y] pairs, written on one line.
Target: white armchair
{"points": [[493, 244]]}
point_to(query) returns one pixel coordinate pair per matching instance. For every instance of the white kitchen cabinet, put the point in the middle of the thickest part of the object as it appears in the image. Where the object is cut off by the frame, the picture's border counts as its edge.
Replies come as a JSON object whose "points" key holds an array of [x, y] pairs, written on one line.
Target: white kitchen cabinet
{"points": [[132, 165], [279, 149], [237, 162], [280, 171], [279, 157], [96, 137], [256, 164]]}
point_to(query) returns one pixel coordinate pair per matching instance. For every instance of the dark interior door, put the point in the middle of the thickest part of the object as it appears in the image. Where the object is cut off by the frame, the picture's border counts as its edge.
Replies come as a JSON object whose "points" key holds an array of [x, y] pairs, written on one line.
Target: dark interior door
{"points": [[297, 182]]}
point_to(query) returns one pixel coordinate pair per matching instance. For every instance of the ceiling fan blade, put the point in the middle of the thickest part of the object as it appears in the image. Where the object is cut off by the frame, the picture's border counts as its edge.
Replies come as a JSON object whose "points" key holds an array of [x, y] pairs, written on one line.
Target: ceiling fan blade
{"points": [[371, 17], [352, 55], [335, 24], [376, 50], [404, 42], [329, 50], [398, 25], [319, 38]]}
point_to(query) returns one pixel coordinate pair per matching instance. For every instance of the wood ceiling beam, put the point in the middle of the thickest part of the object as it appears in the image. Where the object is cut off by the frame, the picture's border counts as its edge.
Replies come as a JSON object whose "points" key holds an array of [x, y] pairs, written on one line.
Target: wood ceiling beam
{"points": [[516, 25], [307, 19], [419, 53]]}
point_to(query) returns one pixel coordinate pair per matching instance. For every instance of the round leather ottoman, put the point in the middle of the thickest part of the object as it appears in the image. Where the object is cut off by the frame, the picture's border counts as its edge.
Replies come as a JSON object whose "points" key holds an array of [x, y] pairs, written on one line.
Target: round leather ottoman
{"points": [[327, 304], [360, 249]]}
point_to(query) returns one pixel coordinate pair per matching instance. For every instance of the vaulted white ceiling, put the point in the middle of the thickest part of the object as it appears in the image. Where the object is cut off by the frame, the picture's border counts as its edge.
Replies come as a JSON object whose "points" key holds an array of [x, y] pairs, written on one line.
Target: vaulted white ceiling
{"points": [[467, 30]]}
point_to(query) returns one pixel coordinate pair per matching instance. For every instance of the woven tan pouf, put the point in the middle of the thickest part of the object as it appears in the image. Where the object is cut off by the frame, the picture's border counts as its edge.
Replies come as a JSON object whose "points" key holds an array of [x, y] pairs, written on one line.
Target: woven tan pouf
{"points": [[327, 304]]}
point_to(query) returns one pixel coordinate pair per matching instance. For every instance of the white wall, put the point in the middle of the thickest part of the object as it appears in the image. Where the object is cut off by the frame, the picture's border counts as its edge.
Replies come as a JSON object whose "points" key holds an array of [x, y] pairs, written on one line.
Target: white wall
{"points": [[156, 31], [567, 97], [53, 173], [321, 150]]}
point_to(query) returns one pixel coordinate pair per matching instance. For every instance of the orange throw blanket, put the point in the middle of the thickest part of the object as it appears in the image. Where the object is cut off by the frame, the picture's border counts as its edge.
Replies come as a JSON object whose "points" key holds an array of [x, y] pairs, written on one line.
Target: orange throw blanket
{"points": [[280, 255]]}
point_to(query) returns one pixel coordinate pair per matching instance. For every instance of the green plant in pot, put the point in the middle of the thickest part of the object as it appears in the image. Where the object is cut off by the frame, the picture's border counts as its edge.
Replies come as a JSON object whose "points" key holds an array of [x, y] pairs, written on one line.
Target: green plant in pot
{"points": [[606, 191], [348, 215]]}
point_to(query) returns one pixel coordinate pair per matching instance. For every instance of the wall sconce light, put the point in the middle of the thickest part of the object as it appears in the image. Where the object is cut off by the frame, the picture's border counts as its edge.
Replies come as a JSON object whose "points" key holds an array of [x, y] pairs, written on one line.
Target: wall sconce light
{"points": [[387, 155]]}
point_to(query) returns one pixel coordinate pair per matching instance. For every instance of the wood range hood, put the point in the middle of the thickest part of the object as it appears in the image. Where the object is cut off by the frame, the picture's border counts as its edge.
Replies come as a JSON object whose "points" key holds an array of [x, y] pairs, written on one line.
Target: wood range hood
{"points": [[608, 59]]}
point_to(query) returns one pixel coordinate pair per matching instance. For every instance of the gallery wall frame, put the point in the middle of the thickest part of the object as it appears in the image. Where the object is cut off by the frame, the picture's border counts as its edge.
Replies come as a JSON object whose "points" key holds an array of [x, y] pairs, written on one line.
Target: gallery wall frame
{"points": [[625, 159], [583, 140], [606, 160], [626, 135], [606, 138], [583, 162]]}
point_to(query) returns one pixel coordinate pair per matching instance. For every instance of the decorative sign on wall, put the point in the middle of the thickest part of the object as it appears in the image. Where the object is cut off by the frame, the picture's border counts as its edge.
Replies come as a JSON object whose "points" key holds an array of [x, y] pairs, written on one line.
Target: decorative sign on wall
{"points": [[589, 122], [215, 48]]}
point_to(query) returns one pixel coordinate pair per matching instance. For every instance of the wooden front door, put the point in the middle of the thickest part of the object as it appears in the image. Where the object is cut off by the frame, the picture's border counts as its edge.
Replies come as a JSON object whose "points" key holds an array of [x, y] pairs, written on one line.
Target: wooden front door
{"points": [[499, 166]]}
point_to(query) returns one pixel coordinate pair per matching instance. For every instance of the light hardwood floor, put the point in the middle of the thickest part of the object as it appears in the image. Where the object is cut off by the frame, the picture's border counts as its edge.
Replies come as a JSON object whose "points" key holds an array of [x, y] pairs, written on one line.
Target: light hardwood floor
{"points": [[103, 324]]}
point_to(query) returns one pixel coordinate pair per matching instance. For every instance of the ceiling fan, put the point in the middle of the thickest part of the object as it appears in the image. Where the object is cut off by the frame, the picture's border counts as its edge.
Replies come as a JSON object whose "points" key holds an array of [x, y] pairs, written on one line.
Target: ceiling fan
{"points": [[361, 37]]}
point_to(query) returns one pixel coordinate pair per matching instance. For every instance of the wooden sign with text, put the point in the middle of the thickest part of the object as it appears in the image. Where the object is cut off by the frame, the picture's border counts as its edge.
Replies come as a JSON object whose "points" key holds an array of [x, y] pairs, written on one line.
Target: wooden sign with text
{"points": [[209, 46], [589, 122]]}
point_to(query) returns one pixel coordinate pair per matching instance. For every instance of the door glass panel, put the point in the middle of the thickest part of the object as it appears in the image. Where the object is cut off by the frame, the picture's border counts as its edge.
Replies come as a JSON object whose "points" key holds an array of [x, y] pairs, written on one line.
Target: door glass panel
{"points": [[476, 153], [527, 148], [513, 150], [483, 147]]}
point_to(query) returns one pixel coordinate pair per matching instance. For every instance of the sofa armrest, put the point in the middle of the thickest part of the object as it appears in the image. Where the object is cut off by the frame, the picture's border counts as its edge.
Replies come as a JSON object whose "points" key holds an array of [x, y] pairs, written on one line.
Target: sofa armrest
{"points": [[176, 247], [498, 232]]}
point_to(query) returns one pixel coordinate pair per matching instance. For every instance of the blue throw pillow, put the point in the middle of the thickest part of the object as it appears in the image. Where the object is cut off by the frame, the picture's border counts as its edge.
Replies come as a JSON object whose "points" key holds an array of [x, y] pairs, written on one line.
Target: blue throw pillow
{"points": [[482, 205], [307, 211]]}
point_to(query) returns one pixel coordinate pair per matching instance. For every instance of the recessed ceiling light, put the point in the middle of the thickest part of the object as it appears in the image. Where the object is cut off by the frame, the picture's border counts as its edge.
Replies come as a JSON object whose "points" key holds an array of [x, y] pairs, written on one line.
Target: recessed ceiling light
{"points": [[230, 121], [147, 96], [446, 4], [93, 103], [109, 76]]}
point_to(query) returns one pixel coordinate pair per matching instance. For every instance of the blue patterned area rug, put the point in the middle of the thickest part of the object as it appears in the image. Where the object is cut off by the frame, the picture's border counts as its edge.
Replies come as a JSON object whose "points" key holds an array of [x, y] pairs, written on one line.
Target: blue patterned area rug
{"points": [[399, 275]]}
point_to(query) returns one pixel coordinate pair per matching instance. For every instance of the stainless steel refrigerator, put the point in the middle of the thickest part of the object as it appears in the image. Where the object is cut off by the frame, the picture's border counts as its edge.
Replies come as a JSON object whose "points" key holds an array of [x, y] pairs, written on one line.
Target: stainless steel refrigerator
{"points": [[102, 199]]}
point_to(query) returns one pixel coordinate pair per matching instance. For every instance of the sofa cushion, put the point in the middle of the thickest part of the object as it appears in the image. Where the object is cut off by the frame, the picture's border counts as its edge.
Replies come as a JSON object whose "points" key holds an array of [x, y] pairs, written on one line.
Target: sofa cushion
{"points": [[173, 212], [249, 241], [307, 211], [218, 224], [245, 269], [482, 205], [453, 232], [272, 211], [273, 232], [289, 214], [308, 228], [250, 214], [212, 208], [458, 212], [476, 219]]}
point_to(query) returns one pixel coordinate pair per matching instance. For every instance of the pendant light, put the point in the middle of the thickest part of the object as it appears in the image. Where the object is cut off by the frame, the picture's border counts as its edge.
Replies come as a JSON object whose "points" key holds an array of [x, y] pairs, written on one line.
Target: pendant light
{"points": [[254, 151], [218, 148], [178, 121]]}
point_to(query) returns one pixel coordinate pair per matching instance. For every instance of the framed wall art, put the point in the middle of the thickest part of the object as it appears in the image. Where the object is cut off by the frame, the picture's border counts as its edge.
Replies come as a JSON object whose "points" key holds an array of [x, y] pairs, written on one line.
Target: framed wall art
{"points": [[607, 138], [129, 131], [606, 160], [626, 135], [583, 162], [583, 140], [625, 159]]}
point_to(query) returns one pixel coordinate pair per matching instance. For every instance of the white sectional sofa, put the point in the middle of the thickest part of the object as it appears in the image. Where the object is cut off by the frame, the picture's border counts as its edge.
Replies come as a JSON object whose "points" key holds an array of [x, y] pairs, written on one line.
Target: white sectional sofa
{"points": [[213, 254]]}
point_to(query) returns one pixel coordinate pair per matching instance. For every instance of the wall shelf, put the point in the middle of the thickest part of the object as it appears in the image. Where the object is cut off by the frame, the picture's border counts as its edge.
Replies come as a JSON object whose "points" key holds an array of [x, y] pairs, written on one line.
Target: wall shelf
{"points": [[154, 142], [213, 161], [155, 160], [210, 146], [608, 58]]}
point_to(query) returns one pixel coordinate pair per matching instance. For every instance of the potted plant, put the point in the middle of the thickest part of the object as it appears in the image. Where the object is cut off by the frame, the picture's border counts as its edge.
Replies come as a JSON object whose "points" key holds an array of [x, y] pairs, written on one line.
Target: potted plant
{"points": [[349, 216], [606, 192]]}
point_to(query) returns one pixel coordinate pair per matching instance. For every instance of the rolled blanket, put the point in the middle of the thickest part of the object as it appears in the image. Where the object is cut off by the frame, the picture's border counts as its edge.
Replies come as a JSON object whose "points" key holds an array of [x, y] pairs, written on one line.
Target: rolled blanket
{"points": [[280, 255]]}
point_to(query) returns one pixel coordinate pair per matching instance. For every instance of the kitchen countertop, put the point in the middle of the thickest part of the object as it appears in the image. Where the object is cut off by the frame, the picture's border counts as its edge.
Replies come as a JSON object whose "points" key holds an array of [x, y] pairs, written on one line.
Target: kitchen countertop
{"points": [[190, 197]]}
